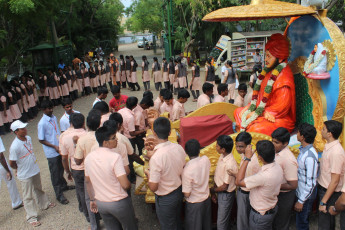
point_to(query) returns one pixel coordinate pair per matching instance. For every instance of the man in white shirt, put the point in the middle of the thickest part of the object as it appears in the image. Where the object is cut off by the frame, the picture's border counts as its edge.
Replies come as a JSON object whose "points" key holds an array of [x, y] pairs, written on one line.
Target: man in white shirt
{"points": [[64, 120], [23, 159], [7, 175]]}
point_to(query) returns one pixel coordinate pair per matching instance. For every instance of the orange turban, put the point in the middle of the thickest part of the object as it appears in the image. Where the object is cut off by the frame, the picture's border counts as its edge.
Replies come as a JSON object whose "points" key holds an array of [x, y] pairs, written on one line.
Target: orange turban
{"points": [[278, 45]]}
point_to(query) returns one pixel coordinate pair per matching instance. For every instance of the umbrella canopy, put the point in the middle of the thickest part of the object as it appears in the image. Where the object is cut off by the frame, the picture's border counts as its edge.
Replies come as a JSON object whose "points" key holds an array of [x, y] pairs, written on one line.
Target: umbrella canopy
{"points": [[258, 9]]}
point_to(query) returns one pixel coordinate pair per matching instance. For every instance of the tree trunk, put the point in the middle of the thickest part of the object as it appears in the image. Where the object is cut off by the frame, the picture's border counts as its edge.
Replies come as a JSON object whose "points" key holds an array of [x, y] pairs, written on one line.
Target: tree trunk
{"points": [[55, 38]]}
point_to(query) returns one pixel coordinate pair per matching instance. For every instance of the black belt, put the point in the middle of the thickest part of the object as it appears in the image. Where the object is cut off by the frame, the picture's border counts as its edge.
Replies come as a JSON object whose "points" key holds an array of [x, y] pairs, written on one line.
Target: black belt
{"points": [[321, 188], [268, 212], [226, 191], [242, 191]]}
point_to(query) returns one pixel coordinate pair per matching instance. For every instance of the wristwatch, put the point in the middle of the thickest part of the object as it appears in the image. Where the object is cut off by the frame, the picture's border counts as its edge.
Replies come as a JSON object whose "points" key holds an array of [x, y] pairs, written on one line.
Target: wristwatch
{"points": [[246, 159], [322, 204]]}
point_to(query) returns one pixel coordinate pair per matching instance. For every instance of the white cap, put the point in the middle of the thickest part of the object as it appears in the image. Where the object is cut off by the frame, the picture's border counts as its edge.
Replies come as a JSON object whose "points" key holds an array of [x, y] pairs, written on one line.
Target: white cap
{"points": [[18, 125]]}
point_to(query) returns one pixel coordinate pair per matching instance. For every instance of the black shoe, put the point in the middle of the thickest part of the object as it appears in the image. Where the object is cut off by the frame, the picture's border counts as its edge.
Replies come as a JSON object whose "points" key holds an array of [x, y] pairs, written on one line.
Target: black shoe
{"points": [[63, 201]]}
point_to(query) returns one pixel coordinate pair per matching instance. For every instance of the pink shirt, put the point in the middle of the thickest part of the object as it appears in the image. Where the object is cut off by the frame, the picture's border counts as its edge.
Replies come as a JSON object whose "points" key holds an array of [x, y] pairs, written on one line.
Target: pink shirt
{"points": [[103, 167], [177, 111], [239, 101], [67, 147], [195, 177], [252, 168], [203, 99], [167, 108], [226, 171], [128, 121], [104, 118], [166, 167], [120, 149], [265, 187], [124, 140], [288, 163], [139, 117], [157, 103], [218, 98], [84, 145], [332, 161]]}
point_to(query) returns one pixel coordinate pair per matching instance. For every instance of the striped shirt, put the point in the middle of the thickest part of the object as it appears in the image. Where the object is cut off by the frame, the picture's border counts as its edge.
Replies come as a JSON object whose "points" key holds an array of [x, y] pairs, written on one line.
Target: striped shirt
{"points": [[307, 172]]}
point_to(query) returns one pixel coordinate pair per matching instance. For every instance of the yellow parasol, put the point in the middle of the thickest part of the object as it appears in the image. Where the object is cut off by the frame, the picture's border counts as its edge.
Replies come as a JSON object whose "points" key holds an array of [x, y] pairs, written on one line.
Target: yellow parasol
{"points": [[258, 9]]}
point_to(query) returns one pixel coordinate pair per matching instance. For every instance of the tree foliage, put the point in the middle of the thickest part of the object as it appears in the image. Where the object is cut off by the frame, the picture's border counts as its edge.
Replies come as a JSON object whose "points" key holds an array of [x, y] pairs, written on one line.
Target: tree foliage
{"points": [[26, 23]]}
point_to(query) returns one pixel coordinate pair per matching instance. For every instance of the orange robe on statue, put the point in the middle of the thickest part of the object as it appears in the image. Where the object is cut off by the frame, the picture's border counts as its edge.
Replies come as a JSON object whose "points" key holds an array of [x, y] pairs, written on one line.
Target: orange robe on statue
{"points": [[281, 104]]}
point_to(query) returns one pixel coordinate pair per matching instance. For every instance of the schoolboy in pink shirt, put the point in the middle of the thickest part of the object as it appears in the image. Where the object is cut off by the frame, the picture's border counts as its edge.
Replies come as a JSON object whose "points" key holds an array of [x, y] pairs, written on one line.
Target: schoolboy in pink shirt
{"points": [[222, 92], [264, 186], [242, 92], [205, 98], [332, 167], [178, 108], [243, 139], [67, 150], [107, 182], [168, 104], [195, 188], [103, 107], [164, 176], [288, 162], [159, 100], [224, 179]]}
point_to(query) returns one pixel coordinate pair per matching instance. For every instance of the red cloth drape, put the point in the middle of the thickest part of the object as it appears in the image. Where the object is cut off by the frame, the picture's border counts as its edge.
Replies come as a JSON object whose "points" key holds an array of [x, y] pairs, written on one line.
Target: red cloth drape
{"points": [[206, 129]]}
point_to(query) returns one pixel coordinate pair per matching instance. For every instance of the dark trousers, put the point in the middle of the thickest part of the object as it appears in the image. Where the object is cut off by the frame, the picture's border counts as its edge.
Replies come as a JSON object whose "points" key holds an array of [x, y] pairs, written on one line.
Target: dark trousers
{"points": [[56, 175], [78, 176], [302, 218], [261, 222], [94, 217], [198, 215], [167, 85], [147, 85], [326, 220], [168, 209], [118, 215], [225, 203], [132, 176], [243, 210], [158, 85], [195, 96], [139, 142], [123, 84], [286, 201]]}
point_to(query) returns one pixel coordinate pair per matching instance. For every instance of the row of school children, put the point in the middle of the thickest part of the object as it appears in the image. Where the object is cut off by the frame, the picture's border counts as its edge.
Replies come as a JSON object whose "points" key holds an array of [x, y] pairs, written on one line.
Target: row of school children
{"points": [[19, 100]]}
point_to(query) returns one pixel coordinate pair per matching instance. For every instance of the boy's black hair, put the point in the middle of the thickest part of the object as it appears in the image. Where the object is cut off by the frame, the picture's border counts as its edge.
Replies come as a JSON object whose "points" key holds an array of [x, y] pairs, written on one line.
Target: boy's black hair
{"points": [[207, 87], [281, 134], [93, 120], [113, 125], [225, 142], [242, 86], [244, 137], [103, 134], [115, 89], [148, 94], [116, 117], [308, 132], [47, 104], [102, 106], [162, 92], [147, 101], [334, 127], [167, 95], [192, 148], [77, 120], [266, 150], [221, 88], [66, 101], [183, 93], [131, 102], [161, 126], [102, 90]]}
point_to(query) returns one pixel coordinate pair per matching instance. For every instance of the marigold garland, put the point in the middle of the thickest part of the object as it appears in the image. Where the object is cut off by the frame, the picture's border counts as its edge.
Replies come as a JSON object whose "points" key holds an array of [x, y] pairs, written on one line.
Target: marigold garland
{"points": [[268, 89]]}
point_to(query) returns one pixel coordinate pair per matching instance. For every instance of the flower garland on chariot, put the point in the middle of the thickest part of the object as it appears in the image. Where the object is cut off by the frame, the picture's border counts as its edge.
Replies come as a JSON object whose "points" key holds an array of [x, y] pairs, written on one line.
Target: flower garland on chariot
{"points": [[308, 67], [268, 89]]}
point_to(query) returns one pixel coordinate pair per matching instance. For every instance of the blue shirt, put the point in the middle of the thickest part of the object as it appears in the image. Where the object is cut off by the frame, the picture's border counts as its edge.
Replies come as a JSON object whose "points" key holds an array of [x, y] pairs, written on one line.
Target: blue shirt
{"points": [[48, 130], [61, 66], [307, 172]]}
